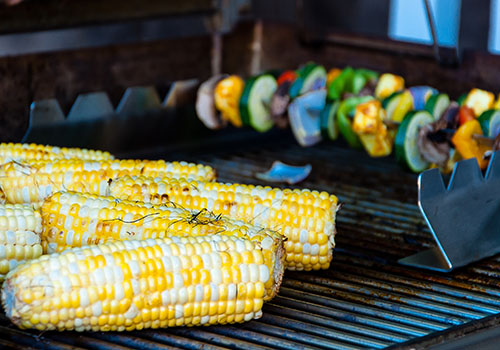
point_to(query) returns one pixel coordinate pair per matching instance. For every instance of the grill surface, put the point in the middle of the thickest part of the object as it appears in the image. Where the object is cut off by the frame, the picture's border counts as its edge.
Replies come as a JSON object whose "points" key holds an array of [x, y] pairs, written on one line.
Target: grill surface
{"points": [[365, 300]]}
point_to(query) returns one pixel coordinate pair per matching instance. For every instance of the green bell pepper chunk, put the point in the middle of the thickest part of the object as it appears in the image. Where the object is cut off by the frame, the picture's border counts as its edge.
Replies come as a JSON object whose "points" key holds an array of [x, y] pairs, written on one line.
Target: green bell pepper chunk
{"points": [[344, 115], [339, 84]]}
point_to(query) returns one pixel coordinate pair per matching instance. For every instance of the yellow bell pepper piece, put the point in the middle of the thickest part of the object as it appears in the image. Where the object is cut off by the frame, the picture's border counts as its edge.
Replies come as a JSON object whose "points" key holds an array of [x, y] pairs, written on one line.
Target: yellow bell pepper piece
{"points": [[227, 96], [332, 74], [387, 84], [404, 106], [479, 100], [369, 126], [497, 103], [467, 145]]}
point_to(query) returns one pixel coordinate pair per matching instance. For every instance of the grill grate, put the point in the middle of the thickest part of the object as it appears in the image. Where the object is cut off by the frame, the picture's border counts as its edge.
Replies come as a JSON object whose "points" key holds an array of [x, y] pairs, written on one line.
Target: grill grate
{"points": [[366, 300]]}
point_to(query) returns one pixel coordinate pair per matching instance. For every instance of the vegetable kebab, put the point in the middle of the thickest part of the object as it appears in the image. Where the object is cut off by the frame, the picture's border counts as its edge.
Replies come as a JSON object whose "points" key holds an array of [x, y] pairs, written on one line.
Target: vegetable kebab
{"points": [[370, 110]]}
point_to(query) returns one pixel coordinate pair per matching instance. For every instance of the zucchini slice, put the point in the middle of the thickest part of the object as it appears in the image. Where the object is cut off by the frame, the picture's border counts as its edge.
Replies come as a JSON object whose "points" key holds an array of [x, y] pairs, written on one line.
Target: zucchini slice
{"points": [[406, 148], [437, 104], [329, 128], [490, 123], [310, 77], [390, 103], [461, 99], [255, 101]]}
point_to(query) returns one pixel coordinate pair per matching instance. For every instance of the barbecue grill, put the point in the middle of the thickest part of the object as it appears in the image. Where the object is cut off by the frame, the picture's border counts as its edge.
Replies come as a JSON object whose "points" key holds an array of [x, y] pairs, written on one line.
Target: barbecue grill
{"points": [[366, 299]]}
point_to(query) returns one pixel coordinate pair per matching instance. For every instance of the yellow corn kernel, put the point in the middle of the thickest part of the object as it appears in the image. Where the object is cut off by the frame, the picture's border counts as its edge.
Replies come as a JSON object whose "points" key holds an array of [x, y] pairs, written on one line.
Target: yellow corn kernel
{"points": [[151, 221], [304, 217], [32, 181], [103, 304]]}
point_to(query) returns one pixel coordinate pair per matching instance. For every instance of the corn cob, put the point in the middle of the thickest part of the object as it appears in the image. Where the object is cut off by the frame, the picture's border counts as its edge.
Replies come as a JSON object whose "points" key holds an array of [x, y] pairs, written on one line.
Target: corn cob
{"points": [[31, 182], [20, 228], [131, 285], [73, 219], [23, 151], [306, 218]]}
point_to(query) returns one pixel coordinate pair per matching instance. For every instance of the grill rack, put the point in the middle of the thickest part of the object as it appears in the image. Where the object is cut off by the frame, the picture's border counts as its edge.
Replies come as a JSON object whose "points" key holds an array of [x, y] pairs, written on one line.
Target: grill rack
{"points": [[365, 300]]}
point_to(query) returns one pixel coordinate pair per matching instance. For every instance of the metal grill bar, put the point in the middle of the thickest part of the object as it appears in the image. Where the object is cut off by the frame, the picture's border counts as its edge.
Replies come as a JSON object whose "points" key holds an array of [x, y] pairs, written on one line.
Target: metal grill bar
{"points": [[366, 300]]}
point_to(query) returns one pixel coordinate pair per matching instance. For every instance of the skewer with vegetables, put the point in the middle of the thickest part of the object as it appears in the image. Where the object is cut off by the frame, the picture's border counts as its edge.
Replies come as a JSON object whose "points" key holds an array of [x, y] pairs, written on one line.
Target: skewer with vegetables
{"points": [[370, 111]]}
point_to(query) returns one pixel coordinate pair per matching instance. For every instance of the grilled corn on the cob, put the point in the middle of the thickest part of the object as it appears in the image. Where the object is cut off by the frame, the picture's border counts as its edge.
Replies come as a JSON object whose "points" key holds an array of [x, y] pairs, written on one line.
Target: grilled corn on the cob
{"points": [[30, 182], [20, 228], [306, 218], [24, 151], [74, 219], [131, 285]]}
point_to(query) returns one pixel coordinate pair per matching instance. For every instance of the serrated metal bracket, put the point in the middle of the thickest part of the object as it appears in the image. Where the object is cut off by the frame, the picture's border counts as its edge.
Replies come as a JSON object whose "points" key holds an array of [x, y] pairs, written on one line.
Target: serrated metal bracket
{"points": [[464, 218]]}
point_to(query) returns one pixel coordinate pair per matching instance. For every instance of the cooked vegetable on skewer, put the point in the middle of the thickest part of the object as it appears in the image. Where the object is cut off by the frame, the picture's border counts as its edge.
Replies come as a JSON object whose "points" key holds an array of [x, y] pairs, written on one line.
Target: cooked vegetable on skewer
{"points": [[470, 146], [309, 77], [406, 142], [347, 88], [227, 95], [344, 113], [255, 102], [205, 104], [281, 99], [437, 104], [479, 100], [329, 127], [388, 84], [368, 125], [339, 85], [420, 96], [402, 107], [332, 75], [465, 114], [304, 115], [490, 123]]}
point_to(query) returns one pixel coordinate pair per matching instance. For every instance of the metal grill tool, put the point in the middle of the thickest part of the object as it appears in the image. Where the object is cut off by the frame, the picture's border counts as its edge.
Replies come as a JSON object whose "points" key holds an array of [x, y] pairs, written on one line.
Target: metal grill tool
{"points": [[464, 218]]}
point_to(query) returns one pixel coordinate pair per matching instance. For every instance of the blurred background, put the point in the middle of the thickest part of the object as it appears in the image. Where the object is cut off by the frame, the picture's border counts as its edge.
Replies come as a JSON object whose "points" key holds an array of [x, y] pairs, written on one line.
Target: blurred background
{"points": [[42, 25], [73, 60]]}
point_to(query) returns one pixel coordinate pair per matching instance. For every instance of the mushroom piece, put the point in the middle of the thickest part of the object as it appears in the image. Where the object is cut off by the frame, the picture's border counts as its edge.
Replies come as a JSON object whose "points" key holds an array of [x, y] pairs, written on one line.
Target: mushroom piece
{"points": [[449, 119], [205, 104], [434, 140], [496, 143], [279, 105], [433, 150]]}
